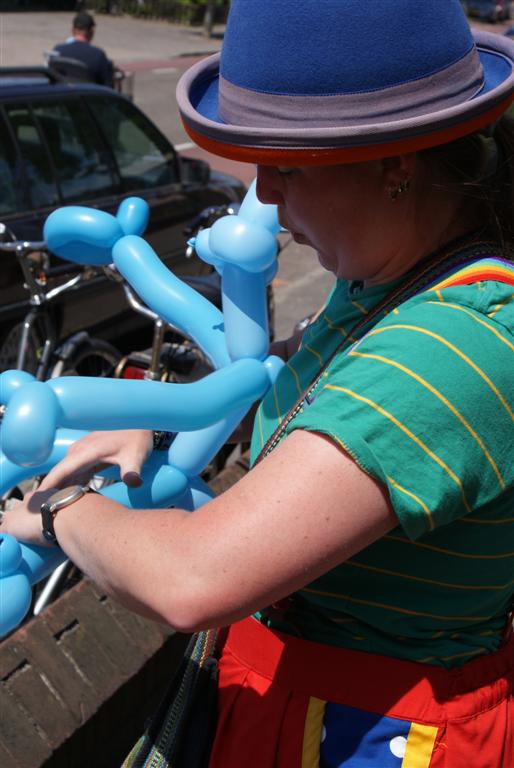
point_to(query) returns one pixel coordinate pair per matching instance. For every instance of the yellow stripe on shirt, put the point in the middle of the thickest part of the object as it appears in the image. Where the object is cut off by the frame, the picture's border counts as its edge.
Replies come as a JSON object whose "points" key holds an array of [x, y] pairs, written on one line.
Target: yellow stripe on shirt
{"points": [[454, 349], [476, 319], [409, 434], [443, 400]]}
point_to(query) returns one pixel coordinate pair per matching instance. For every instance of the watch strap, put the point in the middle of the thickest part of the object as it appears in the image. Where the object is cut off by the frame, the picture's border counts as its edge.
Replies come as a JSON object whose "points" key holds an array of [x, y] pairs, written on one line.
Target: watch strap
{"points": [[57, 501]]}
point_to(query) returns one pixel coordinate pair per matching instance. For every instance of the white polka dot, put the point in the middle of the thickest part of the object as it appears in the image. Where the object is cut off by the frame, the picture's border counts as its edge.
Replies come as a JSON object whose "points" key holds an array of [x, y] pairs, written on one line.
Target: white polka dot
{"points": [[323, 733], [398, 746]]}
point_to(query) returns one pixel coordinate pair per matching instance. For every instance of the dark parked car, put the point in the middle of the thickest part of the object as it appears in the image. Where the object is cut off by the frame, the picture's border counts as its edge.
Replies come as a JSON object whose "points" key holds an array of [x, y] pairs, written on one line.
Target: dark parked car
{"points": [[83, 144], [491, 10]]}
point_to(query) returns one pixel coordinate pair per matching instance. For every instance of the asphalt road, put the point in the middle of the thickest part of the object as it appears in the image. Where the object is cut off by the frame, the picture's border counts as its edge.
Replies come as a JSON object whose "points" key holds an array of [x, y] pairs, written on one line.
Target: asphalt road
{"points": [[157, 53]]}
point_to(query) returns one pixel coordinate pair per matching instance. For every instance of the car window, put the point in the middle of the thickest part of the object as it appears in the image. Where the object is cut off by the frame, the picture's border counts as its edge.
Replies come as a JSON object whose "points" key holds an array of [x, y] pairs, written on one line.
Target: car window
{"points": [[11, 199], [144, 157], [34, 158], [76, 150]]}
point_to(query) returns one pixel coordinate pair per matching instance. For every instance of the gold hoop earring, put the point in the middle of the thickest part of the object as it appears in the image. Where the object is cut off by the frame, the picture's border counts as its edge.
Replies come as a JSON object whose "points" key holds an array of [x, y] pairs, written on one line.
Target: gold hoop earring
{"points": [[395, 192]]}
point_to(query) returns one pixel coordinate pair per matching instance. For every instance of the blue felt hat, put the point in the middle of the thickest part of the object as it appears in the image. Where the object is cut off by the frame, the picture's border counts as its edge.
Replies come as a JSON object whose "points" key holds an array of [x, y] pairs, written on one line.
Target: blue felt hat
{"points": [[303, 82]]}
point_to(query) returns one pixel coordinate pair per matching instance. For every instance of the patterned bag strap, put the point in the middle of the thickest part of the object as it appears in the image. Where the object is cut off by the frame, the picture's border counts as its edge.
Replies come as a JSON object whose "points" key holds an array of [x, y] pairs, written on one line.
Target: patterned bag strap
{"points": [[160, 744], [460, 265]]}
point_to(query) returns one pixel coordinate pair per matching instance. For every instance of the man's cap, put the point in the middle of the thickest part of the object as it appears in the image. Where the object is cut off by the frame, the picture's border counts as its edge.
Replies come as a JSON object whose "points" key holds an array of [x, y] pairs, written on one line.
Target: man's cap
{"points": [[84, 20], [311, 83]]}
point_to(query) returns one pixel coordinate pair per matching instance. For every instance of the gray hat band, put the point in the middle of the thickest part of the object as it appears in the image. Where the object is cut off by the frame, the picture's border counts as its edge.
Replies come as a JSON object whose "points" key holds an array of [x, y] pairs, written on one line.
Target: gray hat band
{"points": [[454, 85]]}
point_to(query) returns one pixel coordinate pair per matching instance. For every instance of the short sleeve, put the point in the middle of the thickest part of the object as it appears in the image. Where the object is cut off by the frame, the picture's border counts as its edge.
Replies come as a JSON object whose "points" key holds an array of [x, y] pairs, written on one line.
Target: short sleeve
{"points": [[425, 404]]}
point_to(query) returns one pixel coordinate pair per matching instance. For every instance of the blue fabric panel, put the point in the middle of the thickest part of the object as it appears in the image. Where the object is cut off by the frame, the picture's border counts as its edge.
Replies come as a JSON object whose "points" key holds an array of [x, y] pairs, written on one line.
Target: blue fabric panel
{"points": [[277, 46], [358, 739]]}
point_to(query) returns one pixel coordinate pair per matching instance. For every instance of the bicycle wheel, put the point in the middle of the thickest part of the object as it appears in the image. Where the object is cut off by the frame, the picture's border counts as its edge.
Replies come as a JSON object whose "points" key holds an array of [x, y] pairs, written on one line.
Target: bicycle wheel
{"points": [[94, 358], [10, 347]]}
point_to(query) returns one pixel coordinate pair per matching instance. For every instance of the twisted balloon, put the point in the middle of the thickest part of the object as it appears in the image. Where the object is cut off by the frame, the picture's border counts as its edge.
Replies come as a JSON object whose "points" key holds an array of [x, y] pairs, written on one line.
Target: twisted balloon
{"points": [[43, 418]]}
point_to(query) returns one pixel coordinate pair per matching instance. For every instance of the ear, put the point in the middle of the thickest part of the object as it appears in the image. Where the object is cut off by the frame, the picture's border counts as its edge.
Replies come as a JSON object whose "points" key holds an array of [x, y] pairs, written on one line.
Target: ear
{"points": [[398, 170]]}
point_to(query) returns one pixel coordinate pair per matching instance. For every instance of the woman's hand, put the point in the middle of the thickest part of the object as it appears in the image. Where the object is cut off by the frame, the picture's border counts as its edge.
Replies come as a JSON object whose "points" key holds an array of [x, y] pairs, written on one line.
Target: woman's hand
{"points": [[24, 520], [125, 448]]}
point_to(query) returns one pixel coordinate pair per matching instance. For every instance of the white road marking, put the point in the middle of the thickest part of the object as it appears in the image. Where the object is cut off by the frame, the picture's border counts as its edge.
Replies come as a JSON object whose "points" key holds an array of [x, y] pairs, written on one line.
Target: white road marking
{"points": [[164, 70]]}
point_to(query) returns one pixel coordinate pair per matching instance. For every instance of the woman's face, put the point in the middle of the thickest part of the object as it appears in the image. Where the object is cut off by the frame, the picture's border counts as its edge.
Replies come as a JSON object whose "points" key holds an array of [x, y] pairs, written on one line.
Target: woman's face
{"points": [[343, 212]]}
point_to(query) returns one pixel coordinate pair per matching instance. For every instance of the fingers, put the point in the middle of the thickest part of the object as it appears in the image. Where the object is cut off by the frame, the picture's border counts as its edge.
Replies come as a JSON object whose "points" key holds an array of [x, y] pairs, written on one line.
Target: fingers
{"points": [[133, 457], [24, 520], [126, 448], [71, 471]]}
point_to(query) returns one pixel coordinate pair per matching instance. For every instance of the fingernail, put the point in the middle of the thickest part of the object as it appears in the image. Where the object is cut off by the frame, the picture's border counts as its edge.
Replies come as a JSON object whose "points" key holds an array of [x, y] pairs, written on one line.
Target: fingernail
{"points": [[132, 479]]}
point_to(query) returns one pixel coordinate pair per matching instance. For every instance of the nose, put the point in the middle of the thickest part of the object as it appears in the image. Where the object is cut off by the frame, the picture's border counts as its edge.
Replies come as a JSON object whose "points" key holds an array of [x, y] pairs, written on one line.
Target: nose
{"points": [[269, 187]]}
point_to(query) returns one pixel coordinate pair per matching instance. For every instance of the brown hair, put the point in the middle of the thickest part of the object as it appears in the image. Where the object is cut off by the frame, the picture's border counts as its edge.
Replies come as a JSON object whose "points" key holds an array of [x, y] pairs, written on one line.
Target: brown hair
{"points": [[481, 167]]}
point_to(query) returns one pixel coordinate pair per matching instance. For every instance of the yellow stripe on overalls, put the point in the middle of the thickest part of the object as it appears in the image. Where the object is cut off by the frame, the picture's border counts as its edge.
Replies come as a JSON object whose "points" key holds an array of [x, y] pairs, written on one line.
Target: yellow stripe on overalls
{"points": [[312, 732], [420, 746]]}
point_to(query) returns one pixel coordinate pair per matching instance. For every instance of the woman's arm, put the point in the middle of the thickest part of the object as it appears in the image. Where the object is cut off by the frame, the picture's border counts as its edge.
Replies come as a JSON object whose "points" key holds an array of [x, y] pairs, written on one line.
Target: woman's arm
{"points": [[304, 509]]}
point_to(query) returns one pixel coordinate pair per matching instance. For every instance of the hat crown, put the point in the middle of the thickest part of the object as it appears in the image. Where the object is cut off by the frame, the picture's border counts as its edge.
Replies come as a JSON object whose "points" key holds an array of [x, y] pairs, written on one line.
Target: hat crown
{"points": [[339, 46]]}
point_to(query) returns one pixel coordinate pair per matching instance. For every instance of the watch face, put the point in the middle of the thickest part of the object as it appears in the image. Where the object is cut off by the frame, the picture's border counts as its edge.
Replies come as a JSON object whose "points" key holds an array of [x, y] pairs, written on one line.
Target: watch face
{"points": [[66, 495]]}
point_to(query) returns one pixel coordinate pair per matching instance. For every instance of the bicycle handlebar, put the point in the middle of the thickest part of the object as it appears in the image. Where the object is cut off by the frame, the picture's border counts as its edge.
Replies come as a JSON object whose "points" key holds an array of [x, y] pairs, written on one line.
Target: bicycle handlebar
{"points": [[24, 246]]}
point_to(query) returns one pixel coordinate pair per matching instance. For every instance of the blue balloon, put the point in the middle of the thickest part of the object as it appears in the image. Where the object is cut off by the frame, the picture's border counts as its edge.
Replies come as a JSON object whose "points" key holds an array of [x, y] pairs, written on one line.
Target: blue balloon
{"points": [[10, 382], [10, 555], [82, 235], [43, 418], [133, 215], [29, 425], [171, 298]]}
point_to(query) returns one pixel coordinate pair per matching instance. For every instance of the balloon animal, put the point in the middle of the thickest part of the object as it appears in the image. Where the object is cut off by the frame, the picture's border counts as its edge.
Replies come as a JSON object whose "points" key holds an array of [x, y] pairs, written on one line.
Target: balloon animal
{"points": [[42, 418]]}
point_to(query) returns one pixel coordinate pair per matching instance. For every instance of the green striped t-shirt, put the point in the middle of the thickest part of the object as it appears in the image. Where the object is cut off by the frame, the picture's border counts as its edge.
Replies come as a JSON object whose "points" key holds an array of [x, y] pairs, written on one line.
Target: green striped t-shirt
{"points": [[424, 404]]}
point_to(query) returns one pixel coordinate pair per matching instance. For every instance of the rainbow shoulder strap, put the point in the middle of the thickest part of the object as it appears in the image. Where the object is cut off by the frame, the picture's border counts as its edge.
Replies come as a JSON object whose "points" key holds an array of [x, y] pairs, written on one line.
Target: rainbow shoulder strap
{"points": [[490, 268]]}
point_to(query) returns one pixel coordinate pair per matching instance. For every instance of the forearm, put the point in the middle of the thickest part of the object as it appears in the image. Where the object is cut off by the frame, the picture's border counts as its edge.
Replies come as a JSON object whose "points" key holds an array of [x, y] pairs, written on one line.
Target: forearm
{"points": [[131, 554]]}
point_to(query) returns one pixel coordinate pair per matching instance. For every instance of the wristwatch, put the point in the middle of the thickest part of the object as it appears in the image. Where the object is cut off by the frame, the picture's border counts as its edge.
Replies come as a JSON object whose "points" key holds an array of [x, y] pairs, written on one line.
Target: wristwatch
{"points": [[59, 500]]}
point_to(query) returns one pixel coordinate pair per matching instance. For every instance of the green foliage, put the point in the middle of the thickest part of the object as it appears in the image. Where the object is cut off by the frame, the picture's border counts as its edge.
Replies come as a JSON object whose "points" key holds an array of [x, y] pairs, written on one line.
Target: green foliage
{"points": [[179, 11]]}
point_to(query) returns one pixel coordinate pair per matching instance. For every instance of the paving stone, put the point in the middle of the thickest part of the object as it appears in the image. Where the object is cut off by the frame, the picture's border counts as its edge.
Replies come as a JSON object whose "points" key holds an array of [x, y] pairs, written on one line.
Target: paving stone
{"points": [[6, 759], [104, 634], [146, 635], [19, 734], [45, 653], [31, 689]]}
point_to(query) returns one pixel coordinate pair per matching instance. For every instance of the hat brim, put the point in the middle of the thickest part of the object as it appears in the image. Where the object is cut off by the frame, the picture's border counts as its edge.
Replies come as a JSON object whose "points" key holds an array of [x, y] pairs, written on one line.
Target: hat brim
{"points": [[197, 96]]}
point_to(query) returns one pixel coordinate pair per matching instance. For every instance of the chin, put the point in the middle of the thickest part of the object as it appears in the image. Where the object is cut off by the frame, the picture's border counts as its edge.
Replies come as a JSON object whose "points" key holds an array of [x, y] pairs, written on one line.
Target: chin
{"points": [[327, 264], [299, 238]]}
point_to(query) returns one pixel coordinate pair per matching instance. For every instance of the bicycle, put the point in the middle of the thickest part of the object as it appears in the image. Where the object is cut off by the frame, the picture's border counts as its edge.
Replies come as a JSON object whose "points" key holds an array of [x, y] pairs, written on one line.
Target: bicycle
{"points": [[34, 345]]}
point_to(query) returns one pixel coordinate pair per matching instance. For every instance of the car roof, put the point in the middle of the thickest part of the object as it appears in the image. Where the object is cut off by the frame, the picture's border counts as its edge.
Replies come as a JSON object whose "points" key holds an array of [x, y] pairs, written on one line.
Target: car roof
{"points": [[39, 81]]}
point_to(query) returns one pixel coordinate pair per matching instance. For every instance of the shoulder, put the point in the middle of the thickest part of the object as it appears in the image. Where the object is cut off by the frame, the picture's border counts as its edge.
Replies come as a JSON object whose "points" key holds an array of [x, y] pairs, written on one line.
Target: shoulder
{"points": [[98, 52], [478, 316]]}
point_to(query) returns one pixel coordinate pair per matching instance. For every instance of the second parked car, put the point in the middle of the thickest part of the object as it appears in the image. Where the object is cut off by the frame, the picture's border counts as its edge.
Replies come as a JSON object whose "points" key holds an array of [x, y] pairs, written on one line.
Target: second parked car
{"points": [[491, 10]]}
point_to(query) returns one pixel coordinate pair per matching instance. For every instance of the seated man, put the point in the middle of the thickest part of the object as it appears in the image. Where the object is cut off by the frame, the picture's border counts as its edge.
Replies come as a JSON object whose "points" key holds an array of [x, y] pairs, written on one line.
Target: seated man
{"points": [[79, 47]]}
